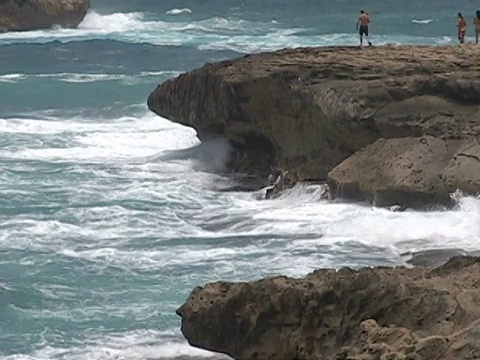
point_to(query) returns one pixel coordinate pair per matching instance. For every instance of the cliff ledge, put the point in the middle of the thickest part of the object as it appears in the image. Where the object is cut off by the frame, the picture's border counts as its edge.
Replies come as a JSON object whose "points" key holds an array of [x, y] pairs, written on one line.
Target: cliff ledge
{"points": [[392, 125]]}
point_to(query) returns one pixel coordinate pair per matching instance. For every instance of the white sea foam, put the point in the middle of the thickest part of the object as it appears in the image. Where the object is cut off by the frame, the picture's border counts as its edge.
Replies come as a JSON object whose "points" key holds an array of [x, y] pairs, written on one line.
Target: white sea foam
{"points": [[137, 345], [128, 137], [297, 229], [116, 22], [137, 27], [227, 229], [179, 11], [94, 26], [87, 78], [288, 38], [123, 209], [423, 22], [215, 33], [444, 40], [12, 78]]}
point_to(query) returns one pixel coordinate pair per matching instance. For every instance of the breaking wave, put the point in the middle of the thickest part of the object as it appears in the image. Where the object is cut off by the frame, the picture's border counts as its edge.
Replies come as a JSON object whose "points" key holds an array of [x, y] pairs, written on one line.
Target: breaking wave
{"points": [[86, 78], [179, 11], [423, 22], [214, 33]]}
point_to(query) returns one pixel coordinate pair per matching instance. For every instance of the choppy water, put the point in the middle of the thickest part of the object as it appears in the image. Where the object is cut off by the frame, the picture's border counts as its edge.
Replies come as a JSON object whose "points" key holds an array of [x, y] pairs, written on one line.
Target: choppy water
{"points": [[104, 231]]}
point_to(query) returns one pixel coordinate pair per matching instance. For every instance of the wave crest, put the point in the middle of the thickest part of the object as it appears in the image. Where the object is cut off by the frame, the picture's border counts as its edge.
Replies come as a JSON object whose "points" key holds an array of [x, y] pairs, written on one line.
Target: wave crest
{"points": [[179, 11], [213, 34], [116, 22], [422, 22]]}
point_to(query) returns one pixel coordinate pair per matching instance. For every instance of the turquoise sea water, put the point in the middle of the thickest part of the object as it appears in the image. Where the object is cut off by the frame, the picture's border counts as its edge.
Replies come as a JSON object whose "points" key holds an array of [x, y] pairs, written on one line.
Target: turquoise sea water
{"points": [[105, 229]]}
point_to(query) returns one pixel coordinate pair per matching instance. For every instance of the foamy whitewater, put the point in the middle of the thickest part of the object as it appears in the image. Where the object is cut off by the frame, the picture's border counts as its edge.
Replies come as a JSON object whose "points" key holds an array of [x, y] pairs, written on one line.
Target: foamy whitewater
{"points": [[108, 218]]}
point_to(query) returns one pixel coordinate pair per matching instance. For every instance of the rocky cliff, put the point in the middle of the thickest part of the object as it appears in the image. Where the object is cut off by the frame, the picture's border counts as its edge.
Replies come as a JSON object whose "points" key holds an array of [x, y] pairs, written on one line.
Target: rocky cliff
{"points": [[23, 15], [371, 314], [308, 110]]}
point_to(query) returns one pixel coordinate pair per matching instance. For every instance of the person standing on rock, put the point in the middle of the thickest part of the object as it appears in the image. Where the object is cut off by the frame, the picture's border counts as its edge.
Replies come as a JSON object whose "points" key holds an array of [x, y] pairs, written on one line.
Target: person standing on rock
{"points": [[462, 28], [362, 26], [476, 22]]}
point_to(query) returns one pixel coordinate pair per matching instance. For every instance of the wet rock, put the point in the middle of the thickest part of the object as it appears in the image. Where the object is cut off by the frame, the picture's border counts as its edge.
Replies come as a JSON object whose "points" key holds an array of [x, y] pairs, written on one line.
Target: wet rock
{"points": [[278, 181], [24, 15], [309, 109], [411, 172], [436, 257], [373, 313]]}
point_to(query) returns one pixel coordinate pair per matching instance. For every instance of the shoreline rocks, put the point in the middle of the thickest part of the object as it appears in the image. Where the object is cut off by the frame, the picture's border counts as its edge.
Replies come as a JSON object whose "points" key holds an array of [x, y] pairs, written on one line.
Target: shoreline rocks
{"points": [[374, 313], [322, 113], [25, 15], [413, 172], [279, 182]]}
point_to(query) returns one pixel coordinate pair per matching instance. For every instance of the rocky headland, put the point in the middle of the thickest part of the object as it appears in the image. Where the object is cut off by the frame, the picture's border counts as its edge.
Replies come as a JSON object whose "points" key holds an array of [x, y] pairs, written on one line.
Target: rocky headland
{"points": [[394, 125], [24, 15], [370, 314]]}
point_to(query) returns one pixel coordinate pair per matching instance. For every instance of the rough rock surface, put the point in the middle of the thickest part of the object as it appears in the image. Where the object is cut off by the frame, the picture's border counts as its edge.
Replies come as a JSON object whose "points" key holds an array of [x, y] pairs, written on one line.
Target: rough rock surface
{"points": [[409, 171], [306, 110], [373, 313], [23, 15]]}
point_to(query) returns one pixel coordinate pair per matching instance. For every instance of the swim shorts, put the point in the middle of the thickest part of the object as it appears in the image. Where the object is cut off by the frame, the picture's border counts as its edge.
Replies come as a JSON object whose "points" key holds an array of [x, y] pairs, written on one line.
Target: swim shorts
{"points": [[363, 30]]}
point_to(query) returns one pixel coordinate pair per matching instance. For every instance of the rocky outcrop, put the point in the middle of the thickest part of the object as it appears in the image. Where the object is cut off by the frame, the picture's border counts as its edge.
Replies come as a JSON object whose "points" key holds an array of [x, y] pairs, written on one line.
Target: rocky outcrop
{"points": [[373, 313], [307, 110], [23, 15], [409, 171]]}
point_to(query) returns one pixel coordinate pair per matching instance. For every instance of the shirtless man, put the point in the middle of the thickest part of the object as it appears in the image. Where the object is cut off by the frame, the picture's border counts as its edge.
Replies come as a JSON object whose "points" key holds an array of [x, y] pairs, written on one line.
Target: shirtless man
{"points": [[362, 26], [462, 28], [476, 22]]}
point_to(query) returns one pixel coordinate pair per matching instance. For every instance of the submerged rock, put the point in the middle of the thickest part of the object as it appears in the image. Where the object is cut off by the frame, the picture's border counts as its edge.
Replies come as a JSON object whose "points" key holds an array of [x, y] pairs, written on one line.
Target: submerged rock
{"points": [[373, 313], [278, 182], [23, 15], [435, 257], [309, 109]]}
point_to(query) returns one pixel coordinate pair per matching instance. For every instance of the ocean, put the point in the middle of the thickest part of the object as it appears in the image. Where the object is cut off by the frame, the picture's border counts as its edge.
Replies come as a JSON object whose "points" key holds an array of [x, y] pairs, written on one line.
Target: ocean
{"points": [[105, 229]]}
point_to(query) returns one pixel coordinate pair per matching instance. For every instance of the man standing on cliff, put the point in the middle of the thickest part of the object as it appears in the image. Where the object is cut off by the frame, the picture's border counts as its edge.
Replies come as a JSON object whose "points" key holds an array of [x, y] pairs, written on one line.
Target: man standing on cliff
{"points": [[362, 26]]}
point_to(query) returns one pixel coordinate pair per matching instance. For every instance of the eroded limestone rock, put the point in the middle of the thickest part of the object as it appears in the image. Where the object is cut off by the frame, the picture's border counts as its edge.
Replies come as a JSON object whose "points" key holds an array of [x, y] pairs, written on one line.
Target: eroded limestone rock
{"points": [[23, 15], [412, 172], [309, 109], [373, 313]]}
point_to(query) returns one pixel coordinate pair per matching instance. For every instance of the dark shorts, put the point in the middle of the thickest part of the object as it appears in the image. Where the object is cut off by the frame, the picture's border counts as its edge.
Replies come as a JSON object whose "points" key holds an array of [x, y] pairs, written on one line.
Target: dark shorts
{"points": [[363, 30]]}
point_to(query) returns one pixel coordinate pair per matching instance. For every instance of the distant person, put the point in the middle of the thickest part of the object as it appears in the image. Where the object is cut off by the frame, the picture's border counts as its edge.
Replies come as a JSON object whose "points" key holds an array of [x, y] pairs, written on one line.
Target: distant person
{"points": [[362, 26], [476, 22], [462, 28]]}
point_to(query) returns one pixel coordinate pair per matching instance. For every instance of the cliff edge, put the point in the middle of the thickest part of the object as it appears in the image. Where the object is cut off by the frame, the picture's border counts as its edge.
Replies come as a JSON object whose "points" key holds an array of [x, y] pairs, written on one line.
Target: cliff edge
{"points": [[370, 314], [24, 15], [413, 111]]}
